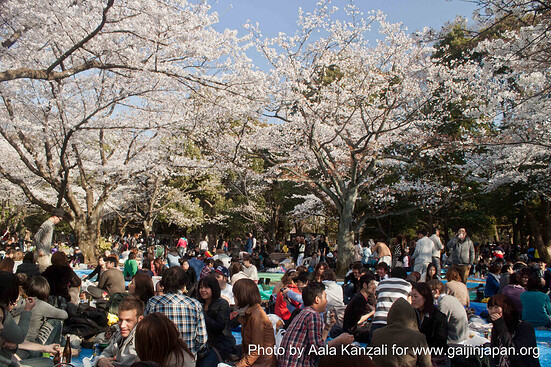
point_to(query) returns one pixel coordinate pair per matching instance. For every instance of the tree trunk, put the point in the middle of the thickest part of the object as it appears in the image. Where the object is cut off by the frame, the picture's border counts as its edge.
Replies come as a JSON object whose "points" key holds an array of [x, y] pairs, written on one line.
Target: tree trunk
{"points": [[541, 229], [345, 236], [87, 233], [345, 245], [148, 226]]}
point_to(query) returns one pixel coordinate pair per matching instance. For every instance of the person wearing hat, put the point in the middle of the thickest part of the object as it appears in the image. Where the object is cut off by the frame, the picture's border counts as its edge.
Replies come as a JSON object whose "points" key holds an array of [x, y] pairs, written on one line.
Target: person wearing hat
{"points": [[43, 237], [222, 275]]}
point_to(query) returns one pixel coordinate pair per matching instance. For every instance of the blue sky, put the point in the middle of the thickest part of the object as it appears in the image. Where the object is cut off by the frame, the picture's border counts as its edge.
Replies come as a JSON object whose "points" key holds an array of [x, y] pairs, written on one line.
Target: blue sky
{"points": [[276, 16]]}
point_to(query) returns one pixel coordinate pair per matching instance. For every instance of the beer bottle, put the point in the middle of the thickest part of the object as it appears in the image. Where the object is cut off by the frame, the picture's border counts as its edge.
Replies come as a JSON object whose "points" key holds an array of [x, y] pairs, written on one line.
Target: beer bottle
{"points": [[57, 358], [67, 351]]}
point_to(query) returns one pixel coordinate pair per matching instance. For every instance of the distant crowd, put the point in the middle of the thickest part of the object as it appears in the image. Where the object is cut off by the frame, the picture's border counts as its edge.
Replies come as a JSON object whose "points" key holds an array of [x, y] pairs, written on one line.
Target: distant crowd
{"points": [[176, 304]]}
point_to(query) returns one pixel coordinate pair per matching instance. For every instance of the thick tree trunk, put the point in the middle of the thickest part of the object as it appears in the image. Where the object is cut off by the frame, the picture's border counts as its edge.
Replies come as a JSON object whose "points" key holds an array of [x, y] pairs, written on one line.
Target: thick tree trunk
{"points": [[345, 236], [87, 233], [345, 245]]}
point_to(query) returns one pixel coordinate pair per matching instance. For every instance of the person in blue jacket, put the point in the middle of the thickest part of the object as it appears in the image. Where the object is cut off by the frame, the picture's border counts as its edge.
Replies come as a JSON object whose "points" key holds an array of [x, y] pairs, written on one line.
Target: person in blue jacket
{"points": [[492, 280]]}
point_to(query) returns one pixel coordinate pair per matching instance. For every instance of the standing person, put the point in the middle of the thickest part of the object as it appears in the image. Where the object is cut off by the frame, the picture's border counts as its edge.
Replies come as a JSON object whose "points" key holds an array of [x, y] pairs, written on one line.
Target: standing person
{"points": [[437, 250], [323, 247], [509, 331], [185, 312], [158, 341], [203, 245], [182, 245], [462, 253], [121, 351], [422, 255], [256, 327], [249, 243], [358, 251], [308, 329], [383, 252], [44, 235]]}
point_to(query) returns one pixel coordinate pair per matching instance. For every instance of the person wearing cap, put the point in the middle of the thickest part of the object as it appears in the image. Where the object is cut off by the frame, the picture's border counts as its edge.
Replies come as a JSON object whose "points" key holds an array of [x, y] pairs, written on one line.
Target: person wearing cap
{"points": [[222, 275], [78, 256], [43, 237]]}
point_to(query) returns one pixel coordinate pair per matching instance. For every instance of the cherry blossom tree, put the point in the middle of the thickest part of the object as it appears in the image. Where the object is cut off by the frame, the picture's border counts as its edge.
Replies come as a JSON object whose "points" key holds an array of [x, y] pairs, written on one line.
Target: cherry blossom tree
{"points": [[351, 112], [515, 150], [91, 89]]}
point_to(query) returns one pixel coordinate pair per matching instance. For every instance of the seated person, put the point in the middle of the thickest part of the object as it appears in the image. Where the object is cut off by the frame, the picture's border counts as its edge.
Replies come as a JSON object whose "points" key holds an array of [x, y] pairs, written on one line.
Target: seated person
{"points": [[121, 351], [226, 291], [45, 325], [458, 325], [249, 269], [111, 280], [62, 279], [536, 306], [130, 266], [360, 308], [492, 281]]}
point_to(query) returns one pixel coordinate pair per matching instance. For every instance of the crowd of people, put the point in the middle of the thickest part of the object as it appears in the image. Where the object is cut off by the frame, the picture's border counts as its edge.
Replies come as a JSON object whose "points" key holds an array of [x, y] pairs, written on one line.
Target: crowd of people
{"points": [[177, 305]]}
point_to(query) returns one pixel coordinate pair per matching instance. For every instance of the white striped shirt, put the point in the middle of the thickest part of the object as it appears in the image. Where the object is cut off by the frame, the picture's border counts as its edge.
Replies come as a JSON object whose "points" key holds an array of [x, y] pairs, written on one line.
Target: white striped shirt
{"points": [[388, 291]]}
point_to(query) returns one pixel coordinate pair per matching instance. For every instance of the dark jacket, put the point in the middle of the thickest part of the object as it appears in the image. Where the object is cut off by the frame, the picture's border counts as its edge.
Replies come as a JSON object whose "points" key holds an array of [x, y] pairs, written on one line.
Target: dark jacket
{"points": [[61, 278], [435, 328], [523, 336], [355, 309], [30, 269], [217, 320]]}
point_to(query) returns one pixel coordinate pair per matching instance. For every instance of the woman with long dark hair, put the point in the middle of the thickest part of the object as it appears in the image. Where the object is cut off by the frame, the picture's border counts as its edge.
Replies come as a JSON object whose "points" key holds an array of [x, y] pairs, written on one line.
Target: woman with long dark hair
{"points": [[429, 274], [509, 331], [432, 322], [256, 327], [217, 316], [158, 340], [141, 287], [321, 267]]}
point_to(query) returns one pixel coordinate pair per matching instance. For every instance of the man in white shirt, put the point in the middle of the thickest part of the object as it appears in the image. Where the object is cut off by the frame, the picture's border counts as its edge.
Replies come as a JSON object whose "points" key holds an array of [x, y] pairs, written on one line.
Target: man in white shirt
{"points": [[222, 274], [436, 250], [422, 255], [203, 245]]}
